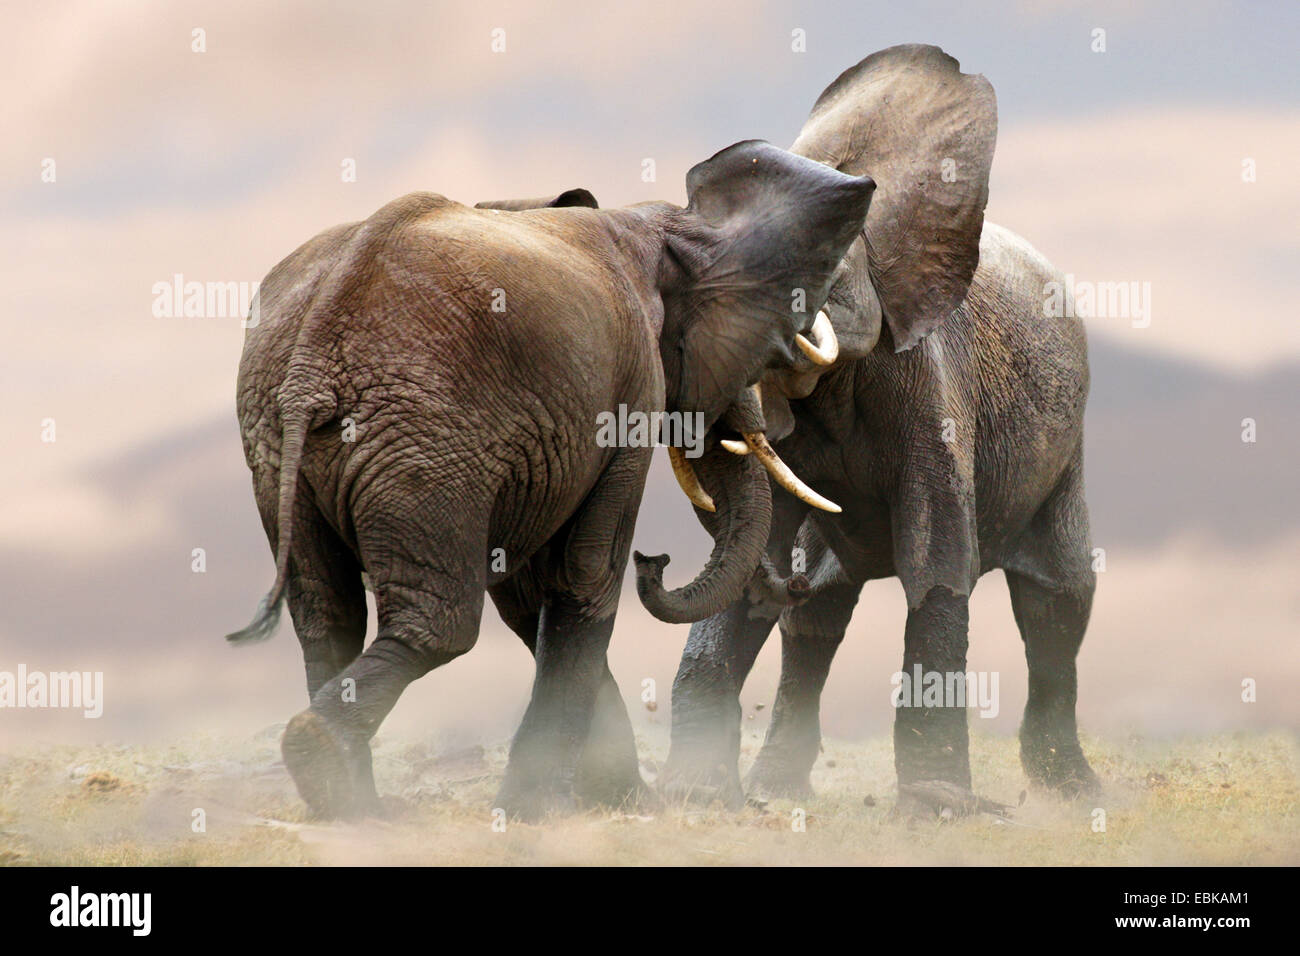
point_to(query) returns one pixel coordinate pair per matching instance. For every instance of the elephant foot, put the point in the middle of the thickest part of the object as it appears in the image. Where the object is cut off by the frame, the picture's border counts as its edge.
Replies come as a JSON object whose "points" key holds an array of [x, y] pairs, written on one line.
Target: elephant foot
{"points": [[773, 780], [932, 759], [1059, 768], [622, 793], [609, 777], [333, 777], [695, 785], [640, 798], [534, 804], [940, 799]]}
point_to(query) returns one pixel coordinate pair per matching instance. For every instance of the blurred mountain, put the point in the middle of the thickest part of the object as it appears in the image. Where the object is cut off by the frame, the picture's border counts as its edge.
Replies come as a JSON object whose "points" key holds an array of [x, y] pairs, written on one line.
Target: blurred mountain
{"points": [[1164, 453], [1164, 459]]}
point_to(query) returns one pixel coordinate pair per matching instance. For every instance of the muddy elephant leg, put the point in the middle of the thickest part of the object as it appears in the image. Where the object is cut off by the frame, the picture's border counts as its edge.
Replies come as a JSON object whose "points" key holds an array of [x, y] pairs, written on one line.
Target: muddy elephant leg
{"points": [[936, 556], [704, 757], [554, 760], [810, 635], [931, 742], [428, 615], [703, 760], [608, 771], [1052, 601], [1052, 624]]}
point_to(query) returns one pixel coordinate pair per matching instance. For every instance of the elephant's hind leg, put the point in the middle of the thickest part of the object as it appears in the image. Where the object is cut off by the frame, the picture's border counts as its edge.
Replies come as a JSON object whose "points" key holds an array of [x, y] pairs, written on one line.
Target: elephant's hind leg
{"points": [[608, 769], [1051, 593], [541, 775], [429, 602], [327, 600], [326, 597], [576, 620]]}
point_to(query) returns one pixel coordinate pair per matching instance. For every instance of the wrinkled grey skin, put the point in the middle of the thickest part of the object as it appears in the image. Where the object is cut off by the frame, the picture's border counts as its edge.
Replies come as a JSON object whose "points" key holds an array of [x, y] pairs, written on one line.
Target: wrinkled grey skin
{"points": [[952, 439], [397, 424]]}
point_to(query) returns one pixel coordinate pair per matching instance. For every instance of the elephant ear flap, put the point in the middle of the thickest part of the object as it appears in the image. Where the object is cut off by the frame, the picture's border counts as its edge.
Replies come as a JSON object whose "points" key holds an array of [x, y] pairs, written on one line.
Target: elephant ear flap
{"points": [[924, 131], [570, 197], [575, 197], [779, 222], [758, 243]]}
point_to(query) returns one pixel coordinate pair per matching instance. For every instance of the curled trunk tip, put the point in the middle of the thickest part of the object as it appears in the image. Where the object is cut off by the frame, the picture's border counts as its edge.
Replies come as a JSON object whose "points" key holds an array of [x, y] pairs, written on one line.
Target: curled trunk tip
{"points": [[739, 529], [650, 589]]}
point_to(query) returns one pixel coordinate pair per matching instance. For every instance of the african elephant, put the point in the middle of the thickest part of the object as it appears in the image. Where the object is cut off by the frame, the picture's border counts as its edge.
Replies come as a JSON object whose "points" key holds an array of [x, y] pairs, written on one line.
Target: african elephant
{"points": [[420, 399], [951, 435]]}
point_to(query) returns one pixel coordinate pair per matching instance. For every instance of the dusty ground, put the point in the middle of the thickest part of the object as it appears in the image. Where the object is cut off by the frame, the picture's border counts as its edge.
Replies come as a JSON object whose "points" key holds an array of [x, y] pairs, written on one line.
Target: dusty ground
{"points": [[1222, 800]]}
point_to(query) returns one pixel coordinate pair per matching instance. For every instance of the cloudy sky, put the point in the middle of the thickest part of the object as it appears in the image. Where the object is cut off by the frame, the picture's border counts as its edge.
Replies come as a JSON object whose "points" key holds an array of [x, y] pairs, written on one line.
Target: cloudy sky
{"points": [[1120, 165]]}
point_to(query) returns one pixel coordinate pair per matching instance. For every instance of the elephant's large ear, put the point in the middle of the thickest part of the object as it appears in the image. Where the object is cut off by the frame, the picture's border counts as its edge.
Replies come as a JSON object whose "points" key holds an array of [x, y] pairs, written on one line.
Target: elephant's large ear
{"points": [[757, 245], [570, 197], [924, 131]]}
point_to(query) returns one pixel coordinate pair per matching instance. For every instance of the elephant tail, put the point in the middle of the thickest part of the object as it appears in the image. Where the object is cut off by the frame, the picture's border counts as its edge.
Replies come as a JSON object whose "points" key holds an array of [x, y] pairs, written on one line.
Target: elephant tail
{"points": [[298, 422]]}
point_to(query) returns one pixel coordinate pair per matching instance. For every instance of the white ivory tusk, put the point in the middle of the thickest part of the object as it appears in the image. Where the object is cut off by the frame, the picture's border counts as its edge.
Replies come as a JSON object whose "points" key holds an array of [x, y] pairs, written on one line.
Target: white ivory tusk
{"points": [[784, 477], [827, 347], [684, 472]]}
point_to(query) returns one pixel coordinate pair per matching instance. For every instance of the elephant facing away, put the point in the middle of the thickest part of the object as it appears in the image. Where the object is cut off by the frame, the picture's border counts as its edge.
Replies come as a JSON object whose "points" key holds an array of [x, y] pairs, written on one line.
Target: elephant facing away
{"points": [[420, 402], [948, 427]]}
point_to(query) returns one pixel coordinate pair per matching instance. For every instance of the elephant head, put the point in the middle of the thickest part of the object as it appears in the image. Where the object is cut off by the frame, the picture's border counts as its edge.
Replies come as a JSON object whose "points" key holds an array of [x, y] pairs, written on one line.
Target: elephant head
{"points": [[924, 131], [746, 268]]}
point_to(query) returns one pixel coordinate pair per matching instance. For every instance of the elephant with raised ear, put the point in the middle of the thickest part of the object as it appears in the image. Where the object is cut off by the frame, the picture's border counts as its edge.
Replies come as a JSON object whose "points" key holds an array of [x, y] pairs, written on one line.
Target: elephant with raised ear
{"points": [[422, 401], [948, 426]]}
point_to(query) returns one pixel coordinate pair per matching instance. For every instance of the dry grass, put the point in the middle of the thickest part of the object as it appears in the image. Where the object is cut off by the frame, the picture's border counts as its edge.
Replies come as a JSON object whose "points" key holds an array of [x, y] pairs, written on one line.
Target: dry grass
{"points": [[1215, 800]]}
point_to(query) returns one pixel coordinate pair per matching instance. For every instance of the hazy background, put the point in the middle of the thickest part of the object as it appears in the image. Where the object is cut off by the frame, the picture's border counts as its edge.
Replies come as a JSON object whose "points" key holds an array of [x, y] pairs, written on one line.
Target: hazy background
{"points": [[1119, 166]]}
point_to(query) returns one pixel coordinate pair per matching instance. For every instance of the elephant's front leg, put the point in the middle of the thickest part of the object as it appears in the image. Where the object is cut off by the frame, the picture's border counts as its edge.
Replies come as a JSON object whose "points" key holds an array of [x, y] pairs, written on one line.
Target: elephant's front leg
{"points": [[810, 635], [936, 556], [930, 733], [544, 758], [703, 761]]}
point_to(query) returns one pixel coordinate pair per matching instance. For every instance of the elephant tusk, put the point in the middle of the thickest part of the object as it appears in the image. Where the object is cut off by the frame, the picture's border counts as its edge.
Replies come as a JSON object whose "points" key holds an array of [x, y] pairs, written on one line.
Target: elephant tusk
{"points": [[684, 472], [784, 477], [739, 447], [827, 347]]}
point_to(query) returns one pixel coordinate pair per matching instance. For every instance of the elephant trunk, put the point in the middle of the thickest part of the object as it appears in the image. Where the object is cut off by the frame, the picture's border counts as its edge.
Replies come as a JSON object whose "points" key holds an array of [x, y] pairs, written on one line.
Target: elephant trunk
{"points": [[739, 526]]}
